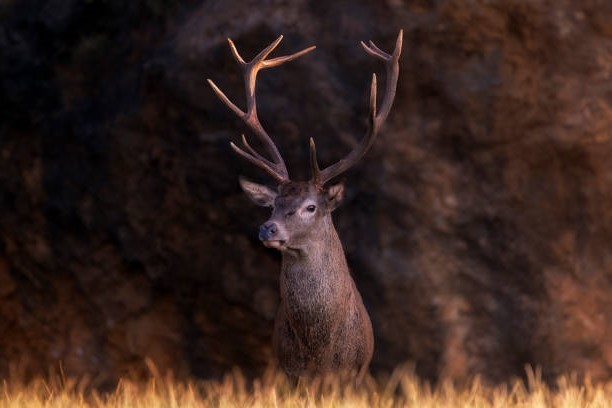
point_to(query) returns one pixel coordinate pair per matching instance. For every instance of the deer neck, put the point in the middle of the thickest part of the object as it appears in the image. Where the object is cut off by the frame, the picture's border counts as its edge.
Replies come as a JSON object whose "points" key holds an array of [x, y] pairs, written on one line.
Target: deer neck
{"points": [[315, 283], [322, 255]]}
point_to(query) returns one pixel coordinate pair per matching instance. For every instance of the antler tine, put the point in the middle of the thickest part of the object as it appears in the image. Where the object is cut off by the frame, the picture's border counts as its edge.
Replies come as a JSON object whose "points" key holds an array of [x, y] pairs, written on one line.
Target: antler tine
{"points": [[235, 52], [266, 51], [373, 50], [276, 167], [264, 165], [314, 165], [253, 153], [375, 119], [373, 91], [225, 99], [281, 60]]}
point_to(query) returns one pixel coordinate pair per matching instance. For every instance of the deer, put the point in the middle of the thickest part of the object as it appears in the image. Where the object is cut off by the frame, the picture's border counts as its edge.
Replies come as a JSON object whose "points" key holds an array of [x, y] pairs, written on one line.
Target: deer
{"points": [[322, 326]]}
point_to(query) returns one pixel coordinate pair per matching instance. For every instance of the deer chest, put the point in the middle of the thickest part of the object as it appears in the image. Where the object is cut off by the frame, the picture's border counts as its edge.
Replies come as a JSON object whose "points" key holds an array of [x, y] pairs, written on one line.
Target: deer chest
{"points": [[311, 300]]}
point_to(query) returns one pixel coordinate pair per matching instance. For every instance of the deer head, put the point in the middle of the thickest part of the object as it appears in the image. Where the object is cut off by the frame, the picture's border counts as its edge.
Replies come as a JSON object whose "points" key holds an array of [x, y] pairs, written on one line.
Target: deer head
{"points": [[301, 209]]}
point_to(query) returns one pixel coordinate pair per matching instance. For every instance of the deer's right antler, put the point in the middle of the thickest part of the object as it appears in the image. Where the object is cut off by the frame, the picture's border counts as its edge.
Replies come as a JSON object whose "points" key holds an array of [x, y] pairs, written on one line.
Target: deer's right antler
{"points": [[276, 168]]}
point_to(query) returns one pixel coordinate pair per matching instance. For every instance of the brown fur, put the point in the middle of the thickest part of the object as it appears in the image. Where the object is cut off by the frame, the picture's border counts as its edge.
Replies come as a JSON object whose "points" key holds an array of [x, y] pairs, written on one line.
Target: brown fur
{"points": [[322, 325]]}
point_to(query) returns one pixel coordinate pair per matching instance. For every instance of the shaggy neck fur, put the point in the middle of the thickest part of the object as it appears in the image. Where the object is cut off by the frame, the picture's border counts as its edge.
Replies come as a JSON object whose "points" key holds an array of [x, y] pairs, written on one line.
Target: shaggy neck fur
{"points": [[316, 287]]}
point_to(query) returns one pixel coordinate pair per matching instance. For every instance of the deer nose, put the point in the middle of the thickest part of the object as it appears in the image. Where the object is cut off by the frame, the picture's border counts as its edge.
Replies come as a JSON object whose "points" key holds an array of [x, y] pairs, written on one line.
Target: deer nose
{"points": [[267, 231]]}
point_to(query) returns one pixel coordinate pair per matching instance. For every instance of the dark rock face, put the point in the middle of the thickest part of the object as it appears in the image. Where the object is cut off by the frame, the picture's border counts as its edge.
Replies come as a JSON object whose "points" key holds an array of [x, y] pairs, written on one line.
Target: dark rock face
{"points": [[478, 228]]}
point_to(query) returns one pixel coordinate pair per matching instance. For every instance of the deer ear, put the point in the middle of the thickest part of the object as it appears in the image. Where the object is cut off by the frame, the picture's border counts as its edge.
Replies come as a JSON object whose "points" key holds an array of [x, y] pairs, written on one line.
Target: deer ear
{"points": [[334, 196], [259, 194]]}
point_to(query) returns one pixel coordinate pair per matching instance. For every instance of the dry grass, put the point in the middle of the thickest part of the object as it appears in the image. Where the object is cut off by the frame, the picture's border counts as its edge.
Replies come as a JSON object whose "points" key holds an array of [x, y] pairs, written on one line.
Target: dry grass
{"points": [[272, 390]]}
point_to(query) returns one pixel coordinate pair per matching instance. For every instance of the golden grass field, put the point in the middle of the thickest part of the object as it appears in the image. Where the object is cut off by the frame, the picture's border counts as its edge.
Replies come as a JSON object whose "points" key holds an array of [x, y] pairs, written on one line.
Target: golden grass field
{"points": [[401, 389]]}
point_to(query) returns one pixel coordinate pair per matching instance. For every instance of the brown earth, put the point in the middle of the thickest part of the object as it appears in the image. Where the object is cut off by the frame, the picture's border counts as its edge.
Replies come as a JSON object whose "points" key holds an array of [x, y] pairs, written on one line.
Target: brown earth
{"points": [[478, 228]]}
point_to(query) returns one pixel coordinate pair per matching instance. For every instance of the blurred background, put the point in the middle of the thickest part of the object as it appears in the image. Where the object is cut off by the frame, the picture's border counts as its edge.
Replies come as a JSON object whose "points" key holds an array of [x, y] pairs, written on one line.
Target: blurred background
{"points": [[478, 228]]}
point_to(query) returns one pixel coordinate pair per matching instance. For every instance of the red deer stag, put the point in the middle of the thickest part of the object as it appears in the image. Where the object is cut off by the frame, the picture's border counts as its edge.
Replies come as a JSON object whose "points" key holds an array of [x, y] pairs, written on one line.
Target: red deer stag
{"points": [[322, 325]]}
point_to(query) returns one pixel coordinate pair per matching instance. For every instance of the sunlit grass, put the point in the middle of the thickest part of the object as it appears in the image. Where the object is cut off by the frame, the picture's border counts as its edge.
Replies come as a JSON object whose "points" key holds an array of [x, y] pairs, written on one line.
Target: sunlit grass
{"points": [[402, 388]]}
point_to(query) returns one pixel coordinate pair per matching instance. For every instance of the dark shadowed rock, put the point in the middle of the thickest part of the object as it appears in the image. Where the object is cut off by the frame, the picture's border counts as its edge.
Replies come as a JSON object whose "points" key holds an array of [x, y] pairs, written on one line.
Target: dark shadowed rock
{"points": [[478, 228]]}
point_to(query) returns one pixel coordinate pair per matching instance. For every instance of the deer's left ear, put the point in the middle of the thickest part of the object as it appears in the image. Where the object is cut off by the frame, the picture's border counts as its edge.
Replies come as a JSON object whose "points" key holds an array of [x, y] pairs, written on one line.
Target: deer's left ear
{"points": [[334, 196]]}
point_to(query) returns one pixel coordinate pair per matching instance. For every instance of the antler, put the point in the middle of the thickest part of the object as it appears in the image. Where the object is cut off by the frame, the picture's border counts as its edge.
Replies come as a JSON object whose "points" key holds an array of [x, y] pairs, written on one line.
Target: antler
{"points": [[276, 168], [320, 177]]}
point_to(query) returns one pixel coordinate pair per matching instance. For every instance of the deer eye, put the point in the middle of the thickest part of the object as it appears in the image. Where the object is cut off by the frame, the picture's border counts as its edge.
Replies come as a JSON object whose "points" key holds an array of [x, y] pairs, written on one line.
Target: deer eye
{"points": [[289, 213], [311, 208]]}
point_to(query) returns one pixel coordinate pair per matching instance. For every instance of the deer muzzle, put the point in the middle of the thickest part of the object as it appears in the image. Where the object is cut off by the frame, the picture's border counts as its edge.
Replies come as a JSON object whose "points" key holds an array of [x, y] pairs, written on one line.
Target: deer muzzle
{"points": [[272, 235]]}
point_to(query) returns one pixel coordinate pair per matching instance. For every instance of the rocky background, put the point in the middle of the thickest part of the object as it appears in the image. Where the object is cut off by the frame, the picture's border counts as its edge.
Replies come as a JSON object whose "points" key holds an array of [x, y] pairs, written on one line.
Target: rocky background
{"points": [[478, 229]]}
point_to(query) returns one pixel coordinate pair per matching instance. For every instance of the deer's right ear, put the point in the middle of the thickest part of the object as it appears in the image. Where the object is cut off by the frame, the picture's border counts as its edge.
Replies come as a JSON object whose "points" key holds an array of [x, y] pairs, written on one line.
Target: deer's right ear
{"points": [[258, 193]]}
